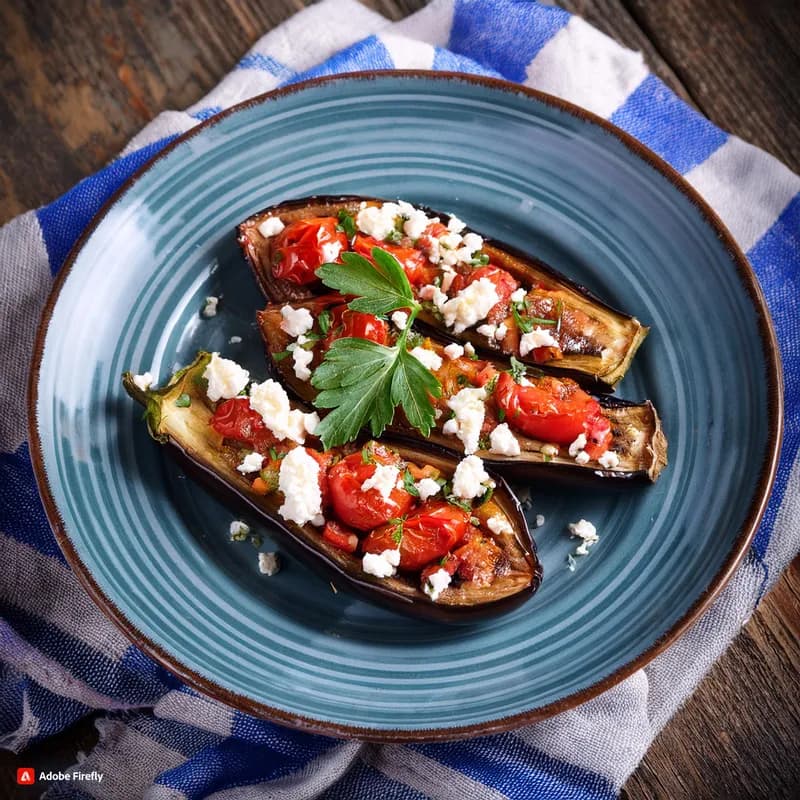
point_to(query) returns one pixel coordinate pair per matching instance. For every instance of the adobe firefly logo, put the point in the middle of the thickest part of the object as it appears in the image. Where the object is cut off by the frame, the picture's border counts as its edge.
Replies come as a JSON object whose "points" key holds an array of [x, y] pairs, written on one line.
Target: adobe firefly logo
{"points": [[26, 776]]}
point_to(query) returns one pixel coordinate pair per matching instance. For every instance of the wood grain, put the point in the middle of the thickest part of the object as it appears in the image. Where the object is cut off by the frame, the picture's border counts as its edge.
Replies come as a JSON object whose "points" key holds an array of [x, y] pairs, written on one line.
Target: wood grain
{"points": [[79, 79]]}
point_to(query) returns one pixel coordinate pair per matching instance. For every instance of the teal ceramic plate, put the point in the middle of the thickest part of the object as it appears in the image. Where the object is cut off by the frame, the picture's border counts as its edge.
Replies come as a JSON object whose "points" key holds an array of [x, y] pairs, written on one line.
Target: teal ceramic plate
{"points": [[152, 547]]}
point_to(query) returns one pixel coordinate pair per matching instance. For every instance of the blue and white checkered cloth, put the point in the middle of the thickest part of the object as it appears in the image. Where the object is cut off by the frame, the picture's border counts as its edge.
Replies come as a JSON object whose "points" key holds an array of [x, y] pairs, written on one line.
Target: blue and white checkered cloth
{"points": [[60, 658]]}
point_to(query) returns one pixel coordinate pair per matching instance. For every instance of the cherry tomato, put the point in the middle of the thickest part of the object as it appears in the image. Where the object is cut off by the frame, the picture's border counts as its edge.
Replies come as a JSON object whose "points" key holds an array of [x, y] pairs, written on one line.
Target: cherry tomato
{"points": [[340, 536], [359, 509], [477, 560], [505, 284], [324, 460], [428, 533], [234, 419], [346, 322], [449, 564], [553, 410], [418, 269], [301, 247]]}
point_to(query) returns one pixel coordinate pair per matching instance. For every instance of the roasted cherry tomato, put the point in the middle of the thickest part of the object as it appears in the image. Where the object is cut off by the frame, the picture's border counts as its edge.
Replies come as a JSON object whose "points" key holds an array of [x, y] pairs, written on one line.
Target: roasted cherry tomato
{"points": [[346, 322], [364, 510], [505, 285], [449, 564], [301, 247], [426, 534], [340, 536], [234, 419], [418, 269], [554, 410], [324, 460], [477, 560]]}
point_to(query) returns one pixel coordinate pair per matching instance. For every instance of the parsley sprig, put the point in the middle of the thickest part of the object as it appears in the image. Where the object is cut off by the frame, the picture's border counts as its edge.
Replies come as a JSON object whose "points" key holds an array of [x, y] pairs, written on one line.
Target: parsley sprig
{"points": [[362, 381]]}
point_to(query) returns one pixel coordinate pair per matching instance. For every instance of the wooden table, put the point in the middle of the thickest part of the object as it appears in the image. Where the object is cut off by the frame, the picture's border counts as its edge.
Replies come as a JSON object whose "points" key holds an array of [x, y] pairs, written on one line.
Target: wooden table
{"points": [[77, 80]]}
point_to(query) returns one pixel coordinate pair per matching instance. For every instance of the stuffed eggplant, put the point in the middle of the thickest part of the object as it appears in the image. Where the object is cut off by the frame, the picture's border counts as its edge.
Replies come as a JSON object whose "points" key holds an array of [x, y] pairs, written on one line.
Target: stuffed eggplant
{"points": [[523, 422], [414, 529], [472, 289]]}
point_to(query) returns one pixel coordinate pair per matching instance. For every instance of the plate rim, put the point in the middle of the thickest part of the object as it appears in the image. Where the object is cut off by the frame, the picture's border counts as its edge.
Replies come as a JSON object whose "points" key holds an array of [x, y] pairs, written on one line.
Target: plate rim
{"points": [[308, 724]]}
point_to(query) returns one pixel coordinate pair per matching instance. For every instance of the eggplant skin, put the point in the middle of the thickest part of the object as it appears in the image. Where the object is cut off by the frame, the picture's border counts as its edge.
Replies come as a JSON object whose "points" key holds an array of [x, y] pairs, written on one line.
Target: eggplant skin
{"points": [[639, 438], [190, 439], [597, 365]]}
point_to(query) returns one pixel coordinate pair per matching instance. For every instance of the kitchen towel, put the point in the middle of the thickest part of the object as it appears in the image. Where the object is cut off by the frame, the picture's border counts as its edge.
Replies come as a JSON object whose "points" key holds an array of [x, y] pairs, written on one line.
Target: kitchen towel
{"points": [[61, 659]]}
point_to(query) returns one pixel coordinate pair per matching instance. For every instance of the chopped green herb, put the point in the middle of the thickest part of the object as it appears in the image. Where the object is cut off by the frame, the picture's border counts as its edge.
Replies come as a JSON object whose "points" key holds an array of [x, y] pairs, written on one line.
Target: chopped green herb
{"points": [[183, 401], [475, 521], [517, 370], [347, 224], [486, 496], [256, 540], [442, 561], [501, 414], [483, 443], [491, 384], [281, 356], [366, 455], [275, 455], [397, 533], [394, 236], [546, 457], [277, 257], [461, 379], [523, 323], [542, 321], [324, 321], [479, 260], [408, 484], [414, 339]]}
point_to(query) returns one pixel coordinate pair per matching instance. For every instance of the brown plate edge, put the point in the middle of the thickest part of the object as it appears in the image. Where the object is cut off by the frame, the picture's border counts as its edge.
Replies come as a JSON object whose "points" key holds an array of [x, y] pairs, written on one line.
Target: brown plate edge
{"points": [[310, 725]]}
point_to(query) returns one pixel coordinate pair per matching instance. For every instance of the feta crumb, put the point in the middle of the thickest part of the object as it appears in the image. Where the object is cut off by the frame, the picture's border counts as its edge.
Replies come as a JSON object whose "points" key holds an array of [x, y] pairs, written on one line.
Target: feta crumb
{"points": [[330, 251], [302, 358], [143, 381], [239, 530], [448, 276], [450, 427], [549, 450], [416, 222], [503, 442], [501, 332], [437, 413], [539, 521], [400, 320], [270, 400], [271, 226], [538, 337], [469, 349], [427, 358], [298, 480], [450, 241], [470, 479], [225, 378], [499, 525], [454, 351], [434, 294], [437, 583], [379, 221], [470, 305], [609, 460], [210, 307], [235, 340], [470, 410], [384, 479], [472, 242], [584, 530], [487, 330], [455, 225], [427, 487], [296, 321], [518, 296], [582, 458], [577, 445], [381, 565], [269, 564], [251, 463]]}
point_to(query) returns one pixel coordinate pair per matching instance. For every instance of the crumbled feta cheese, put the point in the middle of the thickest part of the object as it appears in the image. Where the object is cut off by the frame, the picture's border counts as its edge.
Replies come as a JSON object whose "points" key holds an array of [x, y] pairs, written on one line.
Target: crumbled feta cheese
{"points": [[450, 427], [296, 321], [609, 460], [437, 413], [235, 340], [143, 381], [270, 400], [469, 350], [384, 479], [448, 276], [539, 521], [270, 227], [381, 565], [434, 294], [584, 530], [501, 332], [499, 525], [416, 222], [330, 251], [455, 225], [518, 295], [239, 530], [379, 221], [549, 450], [302, 358], [538, 337], [470, 479], [470, 305], [437, 583], [269, 564], [582, 458], [298, 480], [470, 409], [210, 307], [427, 358], [472, 242], [400, 320], [503, 442], [454, 351], [427, 487], [251, 463], [577, 445], [450, 241], [487, 330], [523, 381], [225, 378]]}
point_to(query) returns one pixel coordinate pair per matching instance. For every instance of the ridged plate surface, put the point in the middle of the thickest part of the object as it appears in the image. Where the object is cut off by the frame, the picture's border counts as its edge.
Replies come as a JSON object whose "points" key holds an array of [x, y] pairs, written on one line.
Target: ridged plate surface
{"points": [[514, 167]]}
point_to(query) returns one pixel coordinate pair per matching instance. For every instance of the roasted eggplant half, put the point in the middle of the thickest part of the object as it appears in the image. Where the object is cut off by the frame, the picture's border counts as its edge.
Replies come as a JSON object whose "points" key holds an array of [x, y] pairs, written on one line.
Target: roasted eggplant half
{"points": [[473, 289], [531, 424], [409, 527]]}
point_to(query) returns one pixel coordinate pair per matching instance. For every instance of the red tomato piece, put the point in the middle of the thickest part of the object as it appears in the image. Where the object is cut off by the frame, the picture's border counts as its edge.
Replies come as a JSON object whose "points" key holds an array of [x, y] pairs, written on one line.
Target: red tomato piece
{"points": [[477, 560], [449, 564], [234, 419], [418, 269], [428, 533], [359, 509], [301, 247], [340, 536], [553, 410], [348, 323]]}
